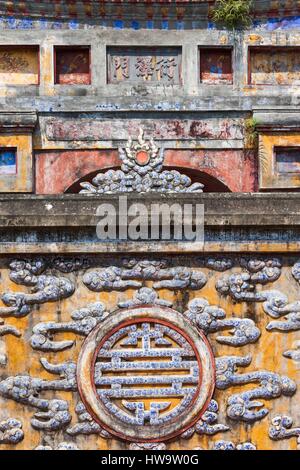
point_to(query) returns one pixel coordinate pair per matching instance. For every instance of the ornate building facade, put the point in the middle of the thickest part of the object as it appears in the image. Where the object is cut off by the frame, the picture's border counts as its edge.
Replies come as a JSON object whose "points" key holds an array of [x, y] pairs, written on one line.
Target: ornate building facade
{"points": [[116, 345]]}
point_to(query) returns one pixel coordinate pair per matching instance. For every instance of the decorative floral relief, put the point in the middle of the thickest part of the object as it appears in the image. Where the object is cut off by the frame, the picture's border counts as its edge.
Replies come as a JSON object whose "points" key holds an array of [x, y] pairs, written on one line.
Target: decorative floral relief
{"points": [[54, 414], [278, 306], [108, 279], [8, 330], [220, 263], [141, 171], [69, 265], [296, 271], [263, 270]]}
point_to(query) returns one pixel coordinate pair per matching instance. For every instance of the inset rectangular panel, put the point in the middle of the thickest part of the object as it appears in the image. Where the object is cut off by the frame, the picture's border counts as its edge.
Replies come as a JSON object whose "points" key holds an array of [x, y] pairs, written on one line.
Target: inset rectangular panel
{"points": [[144, 65], [8, 161], [72, 65], [216, 65], [274, 65], [287, 159], [19, 65]]}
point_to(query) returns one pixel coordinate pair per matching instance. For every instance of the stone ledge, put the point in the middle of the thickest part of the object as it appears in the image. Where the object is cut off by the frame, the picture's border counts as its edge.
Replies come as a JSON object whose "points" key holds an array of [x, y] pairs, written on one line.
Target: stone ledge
{"points": [[221, 209], [277, 119], [22, 121]]}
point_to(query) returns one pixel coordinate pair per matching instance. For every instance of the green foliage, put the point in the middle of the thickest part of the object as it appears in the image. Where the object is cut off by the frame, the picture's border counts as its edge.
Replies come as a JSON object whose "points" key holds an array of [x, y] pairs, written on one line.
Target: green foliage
{"points": [[251, 134], [233, 14]]}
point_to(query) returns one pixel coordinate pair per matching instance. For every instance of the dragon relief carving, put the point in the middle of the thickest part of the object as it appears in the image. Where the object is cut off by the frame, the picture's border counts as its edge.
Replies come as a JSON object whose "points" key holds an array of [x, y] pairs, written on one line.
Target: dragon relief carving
{"points": [[141, 171], [243, 406]]}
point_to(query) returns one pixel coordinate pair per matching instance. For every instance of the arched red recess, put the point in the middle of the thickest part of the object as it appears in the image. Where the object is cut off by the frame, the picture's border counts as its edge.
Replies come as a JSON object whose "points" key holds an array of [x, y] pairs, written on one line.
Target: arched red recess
{"points": [[219, 170], [211, 184]]}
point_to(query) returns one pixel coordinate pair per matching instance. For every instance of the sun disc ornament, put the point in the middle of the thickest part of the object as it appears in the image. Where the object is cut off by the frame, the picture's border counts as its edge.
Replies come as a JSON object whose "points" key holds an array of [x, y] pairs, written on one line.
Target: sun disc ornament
{"points": [[142, 158], [141, 171], [146, 374]]}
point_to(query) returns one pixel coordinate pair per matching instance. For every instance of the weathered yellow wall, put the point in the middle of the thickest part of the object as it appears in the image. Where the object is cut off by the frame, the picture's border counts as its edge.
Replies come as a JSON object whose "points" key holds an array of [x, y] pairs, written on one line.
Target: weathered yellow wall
{"points": [[266, 354], [269, 177], [22, 180], [19, 65]]}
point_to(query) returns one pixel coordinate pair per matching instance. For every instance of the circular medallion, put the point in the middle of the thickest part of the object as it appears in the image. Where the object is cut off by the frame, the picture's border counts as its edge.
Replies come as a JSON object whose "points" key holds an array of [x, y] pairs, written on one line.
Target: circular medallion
{"points": [[142, 157], [146, 374]]}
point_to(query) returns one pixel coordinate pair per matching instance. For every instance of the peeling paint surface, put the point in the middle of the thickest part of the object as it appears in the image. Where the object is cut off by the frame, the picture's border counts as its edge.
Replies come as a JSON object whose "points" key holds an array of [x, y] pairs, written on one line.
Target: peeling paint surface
{"points": [[19, 65], [216, 66], [275, 67]]}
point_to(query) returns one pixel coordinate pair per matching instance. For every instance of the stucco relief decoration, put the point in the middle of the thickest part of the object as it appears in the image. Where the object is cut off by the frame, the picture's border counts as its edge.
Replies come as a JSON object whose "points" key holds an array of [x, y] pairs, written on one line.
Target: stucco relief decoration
{"points": [[170, 378], [282, 428], [141, 171], [11, 431], [44, 287], [148, 364]]}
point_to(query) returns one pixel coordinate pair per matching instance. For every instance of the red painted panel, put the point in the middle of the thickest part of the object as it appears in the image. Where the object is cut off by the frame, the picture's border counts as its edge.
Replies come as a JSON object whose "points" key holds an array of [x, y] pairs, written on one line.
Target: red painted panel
{"points": [[57, 170], [72, 66], [216, 65], [236, 169]]}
